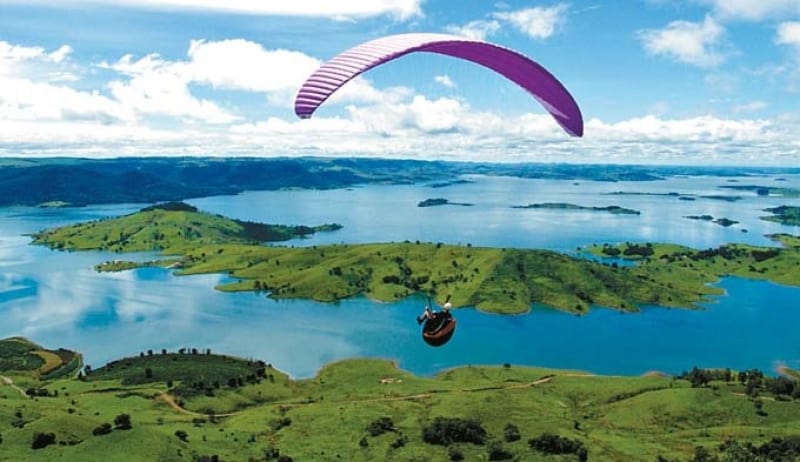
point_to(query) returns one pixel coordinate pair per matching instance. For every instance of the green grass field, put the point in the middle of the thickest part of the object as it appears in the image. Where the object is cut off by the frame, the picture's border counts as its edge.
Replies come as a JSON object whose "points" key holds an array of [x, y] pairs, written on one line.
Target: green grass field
{"points": [[333, 416]]}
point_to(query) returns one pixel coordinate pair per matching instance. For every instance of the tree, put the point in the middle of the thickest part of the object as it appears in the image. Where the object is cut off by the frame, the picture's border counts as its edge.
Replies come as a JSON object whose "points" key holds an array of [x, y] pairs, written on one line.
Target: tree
{"points": [[511, 433], [498, 452], [448, 430], [123, 422], [182, 435], [103, 429], [41, 440]]}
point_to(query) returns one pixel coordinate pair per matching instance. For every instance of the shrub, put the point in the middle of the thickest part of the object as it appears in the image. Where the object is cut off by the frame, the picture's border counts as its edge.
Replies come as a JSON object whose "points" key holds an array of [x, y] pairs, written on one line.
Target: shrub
{"points": [[41, 440], [182, 435], [498, 452], [511, 433], [381, 426], [549, 443], [447, 430], [103, 429], [123, 422], [455, 454]]}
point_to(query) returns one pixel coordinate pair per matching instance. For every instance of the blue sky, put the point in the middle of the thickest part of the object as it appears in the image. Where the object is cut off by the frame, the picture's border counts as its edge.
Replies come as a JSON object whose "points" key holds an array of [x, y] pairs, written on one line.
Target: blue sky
{"points": [[658, 81]]}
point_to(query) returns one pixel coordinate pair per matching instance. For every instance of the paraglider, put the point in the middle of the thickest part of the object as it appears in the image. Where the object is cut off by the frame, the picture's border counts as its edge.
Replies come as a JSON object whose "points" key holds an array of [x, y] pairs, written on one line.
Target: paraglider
{"points": [[514, 66], [439, 325]]}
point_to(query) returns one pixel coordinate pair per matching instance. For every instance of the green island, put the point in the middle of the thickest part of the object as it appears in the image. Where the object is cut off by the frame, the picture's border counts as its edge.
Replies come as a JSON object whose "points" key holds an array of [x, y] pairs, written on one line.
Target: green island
{"points": [[681, 196], [497, 280], [789, 193], [784, 214], [615, 209], [722, 221], [196, 405], [169, 227], [433, 202]]}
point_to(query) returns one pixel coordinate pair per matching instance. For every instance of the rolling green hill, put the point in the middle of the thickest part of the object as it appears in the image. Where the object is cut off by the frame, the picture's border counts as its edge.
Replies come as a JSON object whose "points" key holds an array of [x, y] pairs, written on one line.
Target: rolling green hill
{"points": [[368, 409], [170, 227]]}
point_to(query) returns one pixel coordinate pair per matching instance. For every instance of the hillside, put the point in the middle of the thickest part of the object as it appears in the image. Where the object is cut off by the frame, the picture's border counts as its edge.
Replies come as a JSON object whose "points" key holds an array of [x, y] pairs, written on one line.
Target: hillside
{"points": [[168, 227], [368, 409], [20, 355]]}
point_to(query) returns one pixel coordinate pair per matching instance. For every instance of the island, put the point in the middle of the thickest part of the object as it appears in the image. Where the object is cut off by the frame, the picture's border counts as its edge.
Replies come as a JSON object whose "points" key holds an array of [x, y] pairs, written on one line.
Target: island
{"points": [[788, 193], [680, 196], [497, 280], [726, 222], [169, 227], [441, 201], [784, 214], [614, 209], [195, 404]]}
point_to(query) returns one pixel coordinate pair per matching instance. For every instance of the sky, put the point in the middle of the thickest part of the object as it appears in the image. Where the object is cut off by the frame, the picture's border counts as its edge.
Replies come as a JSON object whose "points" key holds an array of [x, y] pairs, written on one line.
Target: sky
{"points": [[687, 82]]}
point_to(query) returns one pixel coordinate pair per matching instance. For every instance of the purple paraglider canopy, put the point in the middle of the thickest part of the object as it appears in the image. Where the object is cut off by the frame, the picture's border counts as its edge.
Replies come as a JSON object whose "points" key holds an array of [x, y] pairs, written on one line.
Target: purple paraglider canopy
{"points": [[514, 66]]}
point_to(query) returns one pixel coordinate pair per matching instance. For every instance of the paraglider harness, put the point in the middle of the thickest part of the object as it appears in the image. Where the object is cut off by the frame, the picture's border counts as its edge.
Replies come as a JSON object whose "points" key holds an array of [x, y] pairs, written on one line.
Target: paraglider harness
{"points": [[439, 325]]}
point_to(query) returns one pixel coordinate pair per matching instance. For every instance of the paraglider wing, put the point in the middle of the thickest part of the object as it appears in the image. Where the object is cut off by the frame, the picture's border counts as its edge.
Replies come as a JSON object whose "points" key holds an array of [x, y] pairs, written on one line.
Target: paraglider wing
{"points": [[514, 66]]}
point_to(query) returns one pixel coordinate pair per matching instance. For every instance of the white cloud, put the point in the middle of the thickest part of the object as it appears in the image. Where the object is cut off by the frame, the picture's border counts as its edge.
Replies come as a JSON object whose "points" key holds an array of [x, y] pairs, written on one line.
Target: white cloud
{"points": [[752, 106], [788, 33], [159, 87], [478, 30], [19, 59], [753, 10], [401, 9], [243, 65], [445, 80], [688, 42], [537, 22]]}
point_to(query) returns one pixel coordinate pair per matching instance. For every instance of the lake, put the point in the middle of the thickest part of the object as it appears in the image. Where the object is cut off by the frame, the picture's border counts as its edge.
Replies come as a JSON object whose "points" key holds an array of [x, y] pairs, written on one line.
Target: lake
{"points": [[57, 299]]}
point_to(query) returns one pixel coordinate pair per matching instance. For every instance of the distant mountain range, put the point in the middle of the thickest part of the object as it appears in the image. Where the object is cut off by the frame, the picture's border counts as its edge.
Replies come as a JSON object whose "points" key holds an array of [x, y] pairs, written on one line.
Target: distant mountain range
{"points": [[77, 182]]}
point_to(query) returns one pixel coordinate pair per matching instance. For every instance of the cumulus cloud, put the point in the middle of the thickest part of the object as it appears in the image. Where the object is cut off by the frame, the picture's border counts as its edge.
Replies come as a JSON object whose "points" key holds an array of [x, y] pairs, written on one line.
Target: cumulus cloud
{"points": [[478, 29], [689, 42], [753, 10], [156, 86], [400, 9], [445, 80], [536, 22], [788, 33]]}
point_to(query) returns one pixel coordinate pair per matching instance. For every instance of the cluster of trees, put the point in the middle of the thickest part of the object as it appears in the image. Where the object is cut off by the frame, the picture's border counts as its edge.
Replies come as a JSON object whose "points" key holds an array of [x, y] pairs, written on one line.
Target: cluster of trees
{"points": [[448, 430], [121, 422], [549, 443], [41, 392], [779, 449], [380, 426], [43, 439], [754, 380]]}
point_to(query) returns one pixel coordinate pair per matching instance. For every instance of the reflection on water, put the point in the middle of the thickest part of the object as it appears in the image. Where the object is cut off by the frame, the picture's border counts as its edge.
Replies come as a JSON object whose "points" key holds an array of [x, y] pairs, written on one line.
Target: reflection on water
{"points": [[57, 299]]}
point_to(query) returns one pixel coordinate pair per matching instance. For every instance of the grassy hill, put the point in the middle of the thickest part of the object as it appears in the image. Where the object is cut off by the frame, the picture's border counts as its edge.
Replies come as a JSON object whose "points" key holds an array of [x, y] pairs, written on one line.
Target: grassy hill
{"points": [[367, 409], [20, 355], [170, 227]]}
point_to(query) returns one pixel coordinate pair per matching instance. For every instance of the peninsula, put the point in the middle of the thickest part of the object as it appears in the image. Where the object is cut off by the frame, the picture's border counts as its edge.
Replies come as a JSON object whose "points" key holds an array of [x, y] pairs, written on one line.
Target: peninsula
{"points": [[784, 214], [491, 279]]}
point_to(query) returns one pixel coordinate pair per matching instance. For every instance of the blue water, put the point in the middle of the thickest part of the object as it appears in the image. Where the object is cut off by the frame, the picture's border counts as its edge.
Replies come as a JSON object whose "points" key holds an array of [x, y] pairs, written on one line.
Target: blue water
{"points": [[57, 299]]}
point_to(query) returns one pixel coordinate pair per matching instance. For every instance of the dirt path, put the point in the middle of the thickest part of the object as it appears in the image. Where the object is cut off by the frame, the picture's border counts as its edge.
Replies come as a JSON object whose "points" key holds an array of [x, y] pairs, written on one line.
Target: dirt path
{"points": [[170, 400], [10, 383]]}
